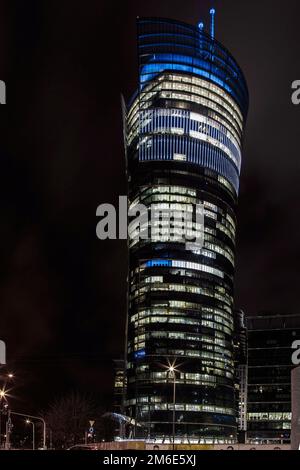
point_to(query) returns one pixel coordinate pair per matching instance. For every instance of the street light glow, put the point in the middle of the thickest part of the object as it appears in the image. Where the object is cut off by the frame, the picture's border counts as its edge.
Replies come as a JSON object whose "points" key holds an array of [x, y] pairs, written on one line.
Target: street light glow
{"points": [[171, 367], [2, 394]]}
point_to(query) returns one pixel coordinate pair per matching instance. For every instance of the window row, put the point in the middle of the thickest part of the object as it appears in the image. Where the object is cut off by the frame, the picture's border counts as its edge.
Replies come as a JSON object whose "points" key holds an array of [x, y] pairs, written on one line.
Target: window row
{"points": [[213, 314], [183, 265], [189, 408], [186, 289]]}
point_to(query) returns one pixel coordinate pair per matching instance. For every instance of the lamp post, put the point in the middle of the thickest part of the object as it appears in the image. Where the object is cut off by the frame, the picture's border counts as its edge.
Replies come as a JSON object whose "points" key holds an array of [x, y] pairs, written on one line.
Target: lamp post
{"points": [[5, 410], [2, 395], [37, 418], [33, 432], [172, 372], [8, 431]]}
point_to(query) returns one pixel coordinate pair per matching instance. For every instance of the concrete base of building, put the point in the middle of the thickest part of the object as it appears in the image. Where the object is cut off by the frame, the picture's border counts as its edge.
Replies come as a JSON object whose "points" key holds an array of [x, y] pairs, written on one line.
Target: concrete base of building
{"points": [[157, 446]]}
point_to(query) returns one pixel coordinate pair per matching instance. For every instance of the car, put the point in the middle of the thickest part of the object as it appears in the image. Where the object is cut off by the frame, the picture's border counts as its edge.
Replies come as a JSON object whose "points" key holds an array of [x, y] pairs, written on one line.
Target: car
{"points": [[84, 447]]}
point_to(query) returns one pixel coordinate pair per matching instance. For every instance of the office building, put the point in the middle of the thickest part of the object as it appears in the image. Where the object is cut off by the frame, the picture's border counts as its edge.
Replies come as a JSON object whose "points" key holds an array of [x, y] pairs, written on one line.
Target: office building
{"points": [[270, 339], [184, 131]]}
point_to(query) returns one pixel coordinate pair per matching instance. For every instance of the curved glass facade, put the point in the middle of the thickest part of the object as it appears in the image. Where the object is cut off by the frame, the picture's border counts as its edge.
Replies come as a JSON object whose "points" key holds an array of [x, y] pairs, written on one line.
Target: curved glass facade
{"points": [[184, 129]]}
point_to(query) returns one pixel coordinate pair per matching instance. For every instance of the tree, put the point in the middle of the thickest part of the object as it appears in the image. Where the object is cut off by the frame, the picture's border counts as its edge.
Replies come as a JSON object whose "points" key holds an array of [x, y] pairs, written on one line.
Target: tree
{"points": [[68, 419]]}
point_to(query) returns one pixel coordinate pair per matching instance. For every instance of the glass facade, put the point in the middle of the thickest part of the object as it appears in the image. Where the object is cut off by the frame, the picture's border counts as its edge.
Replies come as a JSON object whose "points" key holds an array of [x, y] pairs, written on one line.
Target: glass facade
{"points": [[184, 130], [270, 339], [119, 385]]}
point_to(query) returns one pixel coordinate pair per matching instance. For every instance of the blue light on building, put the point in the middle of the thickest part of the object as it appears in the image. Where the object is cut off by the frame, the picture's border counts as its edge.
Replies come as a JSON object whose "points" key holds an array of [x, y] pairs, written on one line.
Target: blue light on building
{"points": [[139, 354], [158, 262]]}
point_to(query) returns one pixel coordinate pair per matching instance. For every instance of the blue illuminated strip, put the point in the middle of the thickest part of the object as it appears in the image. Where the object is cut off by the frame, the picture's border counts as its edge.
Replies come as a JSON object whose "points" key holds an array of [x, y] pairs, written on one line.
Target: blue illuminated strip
{"points": [[158, 262], [152, 70], [162, 62], [140, 353], [214, 57], [206, 45], [184, 265]]}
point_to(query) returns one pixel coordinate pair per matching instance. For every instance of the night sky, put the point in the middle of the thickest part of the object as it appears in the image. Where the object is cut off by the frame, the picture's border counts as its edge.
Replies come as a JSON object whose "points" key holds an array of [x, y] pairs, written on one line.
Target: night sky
{"points": [[65, 63]]}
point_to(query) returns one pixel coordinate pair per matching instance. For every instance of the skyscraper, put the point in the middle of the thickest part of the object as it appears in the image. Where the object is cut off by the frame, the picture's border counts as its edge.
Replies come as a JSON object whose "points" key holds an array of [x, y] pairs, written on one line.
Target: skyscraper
{"points": [[184, 129], [270, 339]]}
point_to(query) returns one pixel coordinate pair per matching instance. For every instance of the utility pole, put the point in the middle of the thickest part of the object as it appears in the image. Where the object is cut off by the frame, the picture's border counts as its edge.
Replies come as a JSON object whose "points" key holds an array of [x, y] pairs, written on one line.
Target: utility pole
{"points": [[174, 408], [8, 430], [33, 432], [33, 417], [50, 438]]}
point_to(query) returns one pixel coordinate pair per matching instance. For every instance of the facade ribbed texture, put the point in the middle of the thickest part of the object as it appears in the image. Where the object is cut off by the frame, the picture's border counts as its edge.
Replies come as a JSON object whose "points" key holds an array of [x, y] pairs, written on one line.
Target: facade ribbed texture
{"points": [[184, 130], [296, 409]]}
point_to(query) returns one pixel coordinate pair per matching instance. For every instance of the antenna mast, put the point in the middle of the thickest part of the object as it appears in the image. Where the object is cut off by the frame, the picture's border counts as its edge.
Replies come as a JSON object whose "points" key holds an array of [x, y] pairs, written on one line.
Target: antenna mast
{"points": [[212, 22]]}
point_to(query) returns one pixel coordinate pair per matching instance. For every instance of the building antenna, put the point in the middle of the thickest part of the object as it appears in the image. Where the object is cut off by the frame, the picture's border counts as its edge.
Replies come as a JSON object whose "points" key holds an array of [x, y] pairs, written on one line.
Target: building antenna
{"points": [[201, 26], [212, 22]]}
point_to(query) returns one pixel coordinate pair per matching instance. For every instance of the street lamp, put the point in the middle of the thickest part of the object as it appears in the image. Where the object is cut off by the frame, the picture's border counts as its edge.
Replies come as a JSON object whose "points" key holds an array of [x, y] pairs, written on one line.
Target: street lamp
{"points": [[35, 418], [2, 409], [4, 394], [33, 432], [171, 371]]}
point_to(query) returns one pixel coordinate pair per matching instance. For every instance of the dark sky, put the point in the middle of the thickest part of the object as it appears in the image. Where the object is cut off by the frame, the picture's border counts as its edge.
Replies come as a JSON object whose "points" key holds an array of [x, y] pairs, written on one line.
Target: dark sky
{"points": [[62, 291]]}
